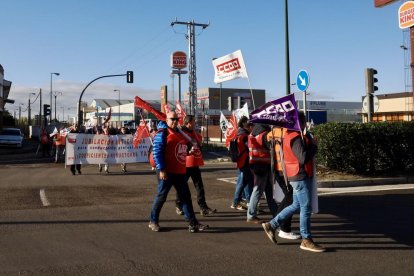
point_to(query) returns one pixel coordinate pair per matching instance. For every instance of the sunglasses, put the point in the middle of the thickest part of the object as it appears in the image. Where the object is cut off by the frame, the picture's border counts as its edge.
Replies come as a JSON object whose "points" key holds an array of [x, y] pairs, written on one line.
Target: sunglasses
{"points": [[173, 119]]}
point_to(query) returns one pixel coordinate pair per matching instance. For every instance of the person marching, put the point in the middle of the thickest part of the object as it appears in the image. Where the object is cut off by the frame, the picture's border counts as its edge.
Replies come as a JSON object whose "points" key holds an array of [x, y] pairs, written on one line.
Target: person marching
{"points": [[298, 159], [244, 174], [169, 155], [193, 162], [75, 167]]}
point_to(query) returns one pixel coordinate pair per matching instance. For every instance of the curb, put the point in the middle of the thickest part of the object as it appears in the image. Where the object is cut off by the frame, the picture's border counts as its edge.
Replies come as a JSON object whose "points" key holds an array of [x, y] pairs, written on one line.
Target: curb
{"points": [[365, 182]]}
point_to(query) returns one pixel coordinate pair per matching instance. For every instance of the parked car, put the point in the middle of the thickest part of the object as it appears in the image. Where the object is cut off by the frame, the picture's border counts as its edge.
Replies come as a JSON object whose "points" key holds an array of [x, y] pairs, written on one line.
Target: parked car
{"points": [[11, 137]]}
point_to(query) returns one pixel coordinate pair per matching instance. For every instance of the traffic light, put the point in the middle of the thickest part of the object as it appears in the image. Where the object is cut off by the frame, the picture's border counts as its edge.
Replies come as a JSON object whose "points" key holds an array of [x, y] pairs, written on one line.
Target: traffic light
{"points": [[371, 80], [229, 103], [130, 76], [46, 109]]}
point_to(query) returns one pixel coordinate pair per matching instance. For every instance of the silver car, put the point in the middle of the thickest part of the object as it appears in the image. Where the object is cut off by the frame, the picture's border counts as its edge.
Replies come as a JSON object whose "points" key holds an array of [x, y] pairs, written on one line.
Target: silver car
{"points": [[11, 137]]}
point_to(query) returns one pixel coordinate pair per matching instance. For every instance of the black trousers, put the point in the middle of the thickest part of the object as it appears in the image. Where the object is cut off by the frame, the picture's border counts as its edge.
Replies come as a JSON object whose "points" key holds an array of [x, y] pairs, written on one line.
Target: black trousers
{"points": [[195, 174], [286, 225], [77, 166]]}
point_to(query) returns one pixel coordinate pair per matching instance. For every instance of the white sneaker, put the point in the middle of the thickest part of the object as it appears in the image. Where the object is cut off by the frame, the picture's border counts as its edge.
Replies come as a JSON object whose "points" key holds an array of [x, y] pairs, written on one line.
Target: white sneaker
{"points": [[289, 235]]}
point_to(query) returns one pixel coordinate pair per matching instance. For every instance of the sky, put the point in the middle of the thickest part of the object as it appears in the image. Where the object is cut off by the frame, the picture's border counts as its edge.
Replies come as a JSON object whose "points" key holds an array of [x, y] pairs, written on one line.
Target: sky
{"points": [[84, 39]]}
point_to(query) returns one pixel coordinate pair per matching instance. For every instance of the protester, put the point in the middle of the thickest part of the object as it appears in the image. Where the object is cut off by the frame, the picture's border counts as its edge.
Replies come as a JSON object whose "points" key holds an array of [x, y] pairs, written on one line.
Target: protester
{"points": [[105, 131], [123, 132], [259, 160], [45, 143], [299, 151], [59, 140], [193, 162], [75, 129], [169, 154], [274, 139], [244, 175]]}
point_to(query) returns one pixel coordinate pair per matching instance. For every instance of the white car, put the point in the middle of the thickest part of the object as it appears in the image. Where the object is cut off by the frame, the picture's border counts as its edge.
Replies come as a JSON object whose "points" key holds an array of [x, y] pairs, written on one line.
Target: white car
{"points": [[11, 137]]}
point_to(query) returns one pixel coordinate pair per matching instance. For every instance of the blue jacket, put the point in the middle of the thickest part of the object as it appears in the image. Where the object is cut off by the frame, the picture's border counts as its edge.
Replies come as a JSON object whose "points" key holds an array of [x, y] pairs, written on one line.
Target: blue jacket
{"points": [[158, 146]]}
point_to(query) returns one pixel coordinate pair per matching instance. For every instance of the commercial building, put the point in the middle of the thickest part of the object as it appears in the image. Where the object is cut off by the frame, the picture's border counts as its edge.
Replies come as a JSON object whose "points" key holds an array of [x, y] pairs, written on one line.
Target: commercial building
{"points": [[393, 107]]}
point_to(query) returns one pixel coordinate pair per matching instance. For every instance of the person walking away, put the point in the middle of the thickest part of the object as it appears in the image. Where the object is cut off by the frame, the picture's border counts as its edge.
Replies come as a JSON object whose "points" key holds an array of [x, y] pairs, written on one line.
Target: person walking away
{"points": [[193, 162], [244, 175], [75, 167], [123, 132], [169, 155], [45, 143], [298, 159]]}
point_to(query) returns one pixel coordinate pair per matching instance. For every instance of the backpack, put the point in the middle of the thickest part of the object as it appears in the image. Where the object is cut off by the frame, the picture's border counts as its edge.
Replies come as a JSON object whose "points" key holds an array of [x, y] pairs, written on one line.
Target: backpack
{"points": [[234, 150]]}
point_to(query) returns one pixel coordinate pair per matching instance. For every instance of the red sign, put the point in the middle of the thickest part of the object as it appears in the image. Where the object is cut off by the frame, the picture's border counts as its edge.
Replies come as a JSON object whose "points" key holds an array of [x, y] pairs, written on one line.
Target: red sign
{"points": [[382, 3], [229, 66], [179, 60]]}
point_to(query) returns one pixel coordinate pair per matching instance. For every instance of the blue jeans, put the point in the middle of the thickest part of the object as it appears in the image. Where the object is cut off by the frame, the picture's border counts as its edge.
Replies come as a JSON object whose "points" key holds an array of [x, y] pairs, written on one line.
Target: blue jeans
{"points": [[244, 182], [262, 183], [164, 186], [301, 201]]}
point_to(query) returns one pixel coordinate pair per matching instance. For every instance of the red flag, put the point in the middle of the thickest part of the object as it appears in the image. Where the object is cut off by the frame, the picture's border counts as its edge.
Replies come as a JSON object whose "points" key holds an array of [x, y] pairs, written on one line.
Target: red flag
{"points": [[140, 103], [231, 131], [180, 112], [141, 133], [167, 108], [109, 116]]}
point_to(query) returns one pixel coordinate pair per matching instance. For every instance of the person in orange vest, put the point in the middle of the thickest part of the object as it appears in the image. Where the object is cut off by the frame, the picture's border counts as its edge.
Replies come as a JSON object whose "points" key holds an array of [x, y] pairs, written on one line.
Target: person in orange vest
{"points": [[193, 162], [244, 181], [60, 143], [260, 162], [169, 155], [299, 151]]}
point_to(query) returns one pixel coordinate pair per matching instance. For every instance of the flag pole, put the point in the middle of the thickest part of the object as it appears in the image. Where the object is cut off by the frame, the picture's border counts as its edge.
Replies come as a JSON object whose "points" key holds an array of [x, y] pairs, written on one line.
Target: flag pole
{"points": [[251, 93]]}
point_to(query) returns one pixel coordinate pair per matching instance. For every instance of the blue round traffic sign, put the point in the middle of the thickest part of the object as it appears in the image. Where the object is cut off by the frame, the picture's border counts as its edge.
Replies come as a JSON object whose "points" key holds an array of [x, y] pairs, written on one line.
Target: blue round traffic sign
{"points": [[302, 80]]}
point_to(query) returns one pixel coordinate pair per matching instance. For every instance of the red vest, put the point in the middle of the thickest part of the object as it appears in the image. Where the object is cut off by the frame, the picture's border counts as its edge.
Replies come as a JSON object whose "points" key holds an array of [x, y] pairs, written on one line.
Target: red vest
{"points": [[258, 153], [175, 152], [242, 149], [195, 159], [277, 134], [291, 162]]}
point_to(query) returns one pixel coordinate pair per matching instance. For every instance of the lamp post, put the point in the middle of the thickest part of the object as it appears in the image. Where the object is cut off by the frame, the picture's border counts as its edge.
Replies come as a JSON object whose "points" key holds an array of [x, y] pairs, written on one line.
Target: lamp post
{"points": [[51, 91], [55, 95], [29, 112], [221, 86], [119, 106]]}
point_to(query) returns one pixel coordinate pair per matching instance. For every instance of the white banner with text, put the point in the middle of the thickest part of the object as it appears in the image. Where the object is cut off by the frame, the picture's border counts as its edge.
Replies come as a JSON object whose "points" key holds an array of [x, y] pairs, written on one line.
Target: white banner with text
{"points": [[104, 149]]}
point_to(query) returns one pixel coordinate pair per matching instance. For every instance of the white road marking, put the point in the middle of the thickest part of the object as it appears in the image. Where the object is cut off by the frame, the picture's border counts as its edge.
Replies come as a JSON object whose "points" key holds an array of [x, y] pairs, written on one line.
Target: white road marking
{"points": [[228, 179], [43, 198]]}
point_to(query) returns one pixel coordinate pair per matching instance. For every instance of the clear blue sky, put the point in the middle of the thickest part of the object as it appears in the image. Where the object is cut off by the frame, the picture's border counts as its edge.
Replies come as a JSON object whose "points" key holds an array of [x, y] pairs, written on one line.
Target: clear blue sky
{"points": [[84, 39]]}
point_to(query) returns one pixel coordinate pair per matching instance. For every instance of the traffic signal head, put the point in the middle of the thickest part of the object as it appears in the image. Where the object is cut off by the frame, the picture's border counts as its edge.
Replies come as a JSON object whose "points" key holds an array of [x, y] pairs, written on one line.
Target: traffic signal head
{"points": [[130, 76], [46, 109], [371, 80]]}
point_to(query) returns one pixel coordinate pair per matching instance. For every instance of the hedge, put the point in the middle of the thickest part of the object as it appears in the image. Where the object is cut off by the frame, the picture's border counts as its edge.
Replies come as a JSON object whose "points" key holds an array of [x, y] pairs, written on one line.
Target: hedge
{"points": [[366, 148]]}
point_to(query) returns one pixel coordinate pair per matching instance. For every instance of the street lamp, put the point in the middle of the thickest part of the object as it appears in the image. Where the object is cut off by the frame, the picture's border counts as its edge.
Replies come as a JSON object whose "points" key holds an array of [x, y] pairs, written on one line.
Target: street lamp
{"points": [[29, 112], [55, 95], [119, 106], [51, 90], [221, 86]]}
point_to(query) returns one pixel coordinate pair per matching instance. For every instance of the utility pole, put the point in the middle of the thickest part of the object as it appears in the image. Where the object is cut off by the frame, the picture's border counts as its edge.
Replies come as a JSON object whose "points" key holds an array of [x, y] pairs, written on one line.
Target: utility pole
{"points": [[192, 77]]}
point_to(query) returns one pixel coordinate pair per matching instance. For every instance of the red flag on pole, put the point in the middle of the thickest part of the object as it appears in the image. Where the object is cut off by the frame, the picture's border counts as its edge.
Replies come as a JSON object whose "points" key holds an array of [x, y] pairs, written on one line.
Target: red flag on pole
{"points": [[141, 133], [180, 112], [231, 131], [140, 103]]}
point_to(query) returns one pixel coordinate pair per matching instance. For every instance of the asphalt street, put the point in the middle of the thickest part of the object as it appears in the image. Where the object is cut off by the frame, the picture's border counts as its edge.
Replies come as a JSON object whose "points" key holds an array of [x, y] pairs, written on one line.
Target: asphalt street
{"points": [[53, 223]]}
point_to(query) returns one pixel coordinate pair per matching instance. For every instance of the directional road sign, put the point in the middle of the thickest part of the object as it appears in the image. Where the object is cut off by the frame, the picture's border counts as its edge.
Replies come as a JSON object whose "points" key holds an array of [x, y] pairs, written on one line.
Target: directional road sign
{"points": [[302, 80]]}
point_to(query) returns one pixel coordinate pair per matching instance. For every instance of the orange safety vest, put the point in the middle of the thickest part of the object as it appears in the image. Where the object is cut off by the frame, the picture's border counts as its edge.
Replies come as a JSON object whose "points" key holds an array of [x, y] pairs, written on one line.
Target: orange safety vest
{"points": [[277, 134], [291, 161], [196, 158], [60, 140], [243, 151], [258, 153]]}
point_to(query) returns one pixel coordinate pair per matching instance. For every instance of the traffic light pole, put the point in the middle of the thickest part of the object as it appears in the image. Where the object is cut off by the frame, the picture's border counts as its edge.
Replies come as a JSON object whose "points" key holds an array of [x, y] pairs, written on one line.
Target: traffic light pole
{"points": [[130, 78]]}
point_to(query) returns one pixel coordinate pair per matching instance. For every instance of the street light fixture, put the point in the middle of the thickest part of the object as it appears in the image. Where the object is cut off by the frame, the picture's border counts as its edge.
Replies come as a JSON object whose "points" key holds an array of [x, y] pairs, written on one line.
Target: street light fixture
{"points": [[51, 90], [55, 95], [119, 106]]}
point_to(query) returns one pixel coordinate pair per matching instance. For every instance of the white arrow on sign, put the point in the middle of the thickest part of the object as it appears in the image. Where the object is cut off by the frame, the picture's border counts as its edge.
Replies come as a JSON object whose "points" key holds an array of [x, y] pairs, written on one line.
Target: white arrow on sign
{"points": [[302, 80]]}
